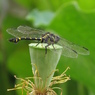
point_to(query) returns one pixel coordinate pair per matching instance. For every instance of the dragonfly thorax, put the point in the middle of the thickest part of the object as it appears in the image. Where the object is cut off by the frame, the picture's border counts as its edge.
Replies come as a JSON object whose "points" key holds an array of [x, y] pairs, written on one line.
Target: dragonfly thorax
{"points": [[50, 38]]}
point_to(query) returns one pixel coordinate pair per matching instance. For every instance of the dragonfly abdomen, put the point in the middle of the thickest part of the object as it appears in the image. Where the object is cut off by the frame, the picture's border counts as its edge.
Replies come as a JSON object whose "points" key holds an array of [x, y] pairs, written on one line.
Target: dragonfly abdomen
{"points": [[15, 40]]}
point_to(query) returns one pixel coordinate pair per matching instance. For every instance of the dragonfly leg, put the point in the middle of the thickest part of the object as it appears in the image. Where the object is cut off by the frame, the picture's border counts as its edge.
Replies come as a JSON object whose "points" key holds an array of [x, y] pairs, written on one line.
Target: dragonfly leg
{"points": [[53, 47], [37, 44], [46, 48]]}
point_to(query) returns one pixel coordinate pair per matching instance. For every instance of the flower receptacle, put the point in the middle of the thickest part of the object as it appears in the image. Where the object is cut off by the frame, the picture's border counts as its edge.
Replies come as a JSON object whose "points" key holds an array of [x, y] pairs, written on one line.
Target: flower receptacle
{"points": [[44, 65]]}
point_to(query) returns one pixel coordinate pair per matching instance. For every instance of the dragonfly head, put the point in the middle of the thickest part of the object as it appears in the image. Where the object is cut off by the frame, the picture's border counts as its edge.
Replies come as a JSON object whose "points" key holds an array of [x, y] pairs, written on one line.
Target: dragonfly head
{"points": [[57, 38]]}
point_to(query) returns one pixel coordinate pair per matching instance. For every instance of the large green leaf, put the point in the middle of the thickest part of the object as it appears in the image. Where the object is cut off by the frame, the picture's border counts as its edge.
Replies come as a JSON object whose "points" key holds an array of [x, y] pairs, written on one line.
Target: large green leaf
{"points": [[77, 26], [87, 5]]}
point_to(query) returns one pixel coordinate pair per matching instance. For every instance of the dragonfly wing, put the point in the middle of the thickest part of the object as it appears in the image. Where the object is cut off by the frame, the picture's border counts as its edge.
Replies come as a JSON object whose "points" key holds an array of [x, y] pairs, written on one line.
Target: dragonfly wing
{"points": [[66, 52], [15, 32], [29, 30], [69, 52], [79, 49]]}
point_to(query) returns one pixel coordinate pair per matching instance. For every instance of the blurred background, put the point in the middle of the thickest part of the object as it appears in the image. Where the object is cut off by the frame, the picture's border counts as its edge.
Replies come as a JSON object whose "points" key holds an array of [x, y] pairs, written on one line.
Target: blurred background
{"points": [[73, 20]]}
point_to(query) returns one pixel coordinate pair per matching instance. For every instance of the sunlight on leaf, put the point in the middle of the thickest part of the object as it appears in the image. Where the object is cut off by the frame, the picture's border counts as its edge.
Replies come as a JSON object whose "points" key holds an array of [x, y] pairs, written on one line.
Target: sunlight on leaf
{"points": [[40, 18]]}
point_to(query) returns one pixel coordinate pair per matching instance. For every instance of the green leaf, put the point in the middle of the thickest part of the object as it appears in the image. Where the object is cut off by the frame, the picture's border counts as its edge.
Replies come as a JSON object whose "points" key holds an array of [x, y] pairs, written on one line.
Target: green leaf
{"points": [[87, 5], [78, 27], [25, 3], [19, 63]]}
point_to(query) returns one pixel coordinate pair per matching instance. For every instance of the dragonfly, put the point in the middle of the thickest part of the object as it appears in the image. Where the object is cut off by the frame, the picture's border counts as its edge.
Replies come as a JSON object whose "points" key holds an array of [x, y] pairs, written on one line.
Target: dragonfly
{"points": [[69, 49]]}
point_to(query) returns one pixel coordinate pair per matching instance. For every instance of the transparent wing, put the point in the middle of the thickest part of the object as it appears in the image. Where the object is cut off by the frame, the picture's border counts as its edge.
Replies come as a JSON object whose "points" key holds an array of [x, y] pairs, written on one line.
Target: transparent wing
{"points": [[25, 31], [69, 52], [66, 52], [29, 30], [15, 33], [71, 48]]}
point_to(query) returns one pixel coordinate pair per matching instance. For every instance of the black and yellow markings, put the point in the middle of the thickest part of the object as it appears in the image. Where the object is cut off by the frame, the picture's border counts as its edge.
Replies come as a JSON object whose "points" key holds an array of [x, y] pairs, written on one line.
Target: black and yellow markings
{"points": [[30, 38], [41, 39], [53, 39], [47, 37], [16, 39], [35, 38], [19, 39]]}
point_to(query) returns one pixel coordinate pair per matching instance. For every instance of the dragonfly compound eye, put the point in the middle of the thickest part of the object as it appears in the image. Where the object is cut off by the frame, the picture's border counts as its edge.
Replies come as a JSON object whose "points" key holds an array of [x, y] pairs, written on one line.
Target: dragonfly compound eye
{"points": [[57, 38]]}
